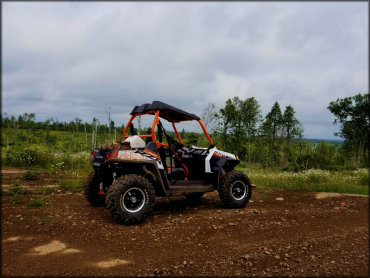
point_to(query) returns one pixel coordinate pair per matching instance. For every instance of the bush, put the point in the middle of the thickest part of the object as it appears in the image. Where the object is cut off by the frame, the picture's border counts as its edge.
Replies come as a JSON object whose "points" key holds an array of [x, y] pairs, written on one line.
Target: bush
{"points": [[25, 158], [67, 161], [15, 188], [317, 176], [36, 202], [29, 175], [35, 158], [362, 176], [74, 185], [242, 164]]}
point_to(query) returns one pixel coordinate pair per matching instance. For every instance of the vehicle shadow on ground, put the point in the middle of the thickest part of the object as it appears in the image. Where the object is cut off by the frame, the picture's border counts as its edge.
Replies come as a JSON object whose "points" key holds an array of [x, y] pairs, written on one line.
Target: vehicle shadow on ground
{"points": [[181, 204]]}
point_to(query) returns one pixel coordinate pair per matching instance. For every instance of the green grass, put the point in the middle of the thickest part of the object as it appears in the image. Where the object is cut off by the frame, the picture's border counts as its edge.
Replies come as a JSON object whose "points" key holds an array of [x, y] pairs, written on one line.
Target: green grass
{"points": [[46, 189], [355, 182], [44, 219], [36, 202], [15, 189], [71, 185]]}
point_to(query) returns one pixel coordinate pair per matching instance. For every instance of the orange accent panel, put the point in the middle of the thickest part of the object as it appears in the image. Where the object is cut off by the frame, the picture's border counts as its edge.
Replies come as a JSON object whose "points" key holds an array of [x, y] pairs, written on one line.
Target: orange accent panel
{"points": [[217, 154], [152, 153]]}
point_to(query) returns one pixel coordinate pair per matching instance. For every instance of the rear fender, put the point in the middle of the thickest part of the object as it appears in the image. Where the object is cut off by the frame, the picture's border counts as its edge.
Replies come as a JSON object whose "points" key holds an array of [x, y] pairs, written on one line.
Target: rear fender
{"points": [[146, 168]]}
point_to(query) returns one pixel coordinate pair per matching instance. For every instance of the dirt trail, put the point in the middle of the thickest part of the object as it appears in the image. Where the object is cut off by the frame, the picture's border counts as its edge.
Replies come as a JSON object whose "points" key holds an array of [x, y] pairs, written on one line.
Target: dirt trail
{"points": [[280, 233], [41, 178]]}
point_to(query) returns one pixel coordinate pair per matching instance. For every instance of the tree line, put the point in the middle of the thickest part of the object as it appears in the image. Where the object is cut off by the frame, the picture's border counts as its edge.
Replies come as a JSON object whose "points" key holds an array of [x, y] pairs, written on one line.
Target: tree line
{"points": [[271, 140], [24, 129], [276, 139]]}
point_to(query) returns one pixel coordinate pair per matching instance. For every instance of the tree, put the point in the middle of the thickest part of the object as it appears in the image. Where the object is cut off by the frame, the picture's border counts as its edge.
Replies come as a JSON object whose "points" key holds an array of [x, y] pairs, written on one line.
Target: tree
{"points": [[209, 116], [237, 121], [94, 133], [291, 128], [111, 127], [226, 116], [85, 135], [232, 119], [109, 121], [15, 124], [353, 115], [270, 127], [251, 116], [78, 121]]}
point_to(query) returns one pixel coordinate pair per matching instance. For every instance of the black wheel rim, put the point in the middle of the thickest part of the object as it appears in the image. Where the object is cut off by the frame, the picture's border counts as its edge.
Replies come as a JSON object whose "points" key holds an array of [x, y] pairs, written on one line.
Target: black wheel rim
{"points": [[133, 200], [238, 190]]}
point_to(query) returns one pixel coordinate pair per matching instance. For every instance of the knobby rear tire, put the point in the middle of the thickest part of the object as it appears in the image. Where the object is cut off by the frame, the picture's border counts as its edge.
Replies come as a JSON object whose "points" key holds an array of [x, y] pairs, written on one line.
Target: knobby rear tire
{"points": [[119, 193]]}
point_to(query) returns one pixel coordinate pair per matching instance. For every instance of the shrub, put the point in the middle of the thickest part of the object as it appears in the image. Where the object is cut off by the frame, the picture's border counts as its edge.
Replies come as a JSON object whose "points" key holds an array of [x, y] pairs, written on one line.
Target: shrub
{"points": [[35, 158], [74, 185], [30, 175], [67, 161], [317, 176], [25, 158], [36, 202], [15, 188], [362, 176]]}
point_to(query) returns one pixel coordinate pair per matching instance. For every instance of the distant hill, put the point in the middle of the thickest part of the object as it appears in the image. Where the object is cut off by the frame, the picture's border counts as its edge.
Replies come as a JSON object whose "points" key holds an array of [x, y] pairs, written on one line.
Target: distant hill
{"points": [[329, 141]]}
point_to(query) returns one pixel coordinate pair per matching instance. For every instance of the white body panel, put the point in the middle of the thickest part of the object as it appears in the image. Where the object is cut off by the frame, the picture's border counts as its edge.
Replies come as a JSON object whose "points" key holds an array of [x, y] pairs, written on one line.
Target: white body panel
{"points": [[209, 156]]}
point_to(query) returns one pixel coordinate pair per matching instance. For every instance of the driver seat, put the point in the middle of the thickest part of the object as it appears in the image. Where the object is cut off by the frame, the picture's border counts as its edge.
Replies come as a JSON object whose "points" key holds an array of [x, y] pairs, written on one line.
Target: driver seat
{"points": [[179, 171]]}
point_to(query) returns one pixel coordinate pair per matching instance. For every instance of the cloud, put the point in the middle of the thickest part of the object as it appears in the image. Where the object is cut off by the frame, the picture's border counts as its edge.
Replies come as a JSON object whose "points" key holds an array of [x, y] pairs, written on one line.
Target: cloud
{"points": [[67, 59]]}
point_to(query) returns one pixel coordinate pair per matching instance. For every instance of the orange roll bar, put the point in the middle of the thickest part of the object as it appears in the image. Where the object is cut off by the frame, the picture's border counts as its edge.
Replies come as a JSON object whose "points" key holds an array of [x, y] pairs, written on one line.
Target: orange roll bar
{"points": [[205, 132], [177, 133], [155, 122], [126, 127]]}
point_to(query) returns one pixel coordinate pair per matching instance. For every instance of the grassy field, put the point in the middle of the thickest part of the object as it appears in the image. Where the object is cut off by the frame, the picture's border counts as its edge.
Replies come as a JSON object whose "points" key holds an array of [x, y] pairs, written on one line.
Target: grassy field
{"points": [[356, 182], [78, 165]]}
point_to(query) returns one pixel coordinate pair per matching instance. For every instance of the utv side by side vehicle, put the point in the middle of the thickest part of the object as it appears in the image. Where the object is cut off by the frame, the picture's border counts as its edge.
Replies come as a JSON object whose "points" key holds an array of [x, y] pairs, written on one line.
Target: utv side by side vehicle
{"points": [[129, 174]]}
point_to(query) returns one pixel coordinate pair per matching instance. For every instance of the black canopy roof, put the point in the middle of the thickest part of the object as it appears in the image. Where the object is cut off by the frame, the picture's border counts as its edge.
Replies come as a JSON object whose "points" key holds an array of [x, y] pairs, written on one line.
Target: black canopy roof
{"points": [[168, 112]]}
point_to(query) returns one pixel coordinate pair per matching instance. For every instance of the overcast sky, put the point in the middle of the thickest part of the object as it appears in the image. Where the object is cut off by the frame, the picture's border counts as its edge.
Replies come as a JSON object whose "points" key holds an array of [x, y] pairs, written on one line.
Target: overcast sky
{"points": [[67, 60]]}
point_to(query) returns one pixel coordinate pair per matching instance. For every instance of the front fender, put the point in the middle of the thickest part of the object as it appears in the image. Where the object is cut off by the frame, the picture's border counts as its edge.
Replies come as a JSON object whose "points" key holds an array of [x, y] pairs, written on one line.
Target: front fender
{"points": [[218, 163]]}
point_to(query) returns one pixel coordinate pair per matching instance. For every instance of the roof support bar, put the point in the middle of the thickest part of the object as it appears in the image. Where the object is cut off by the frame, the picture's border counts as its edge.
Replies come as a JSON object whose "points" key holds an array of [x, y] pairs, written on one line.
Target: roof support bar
{"points": [[205, 132], [177, 133]]}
